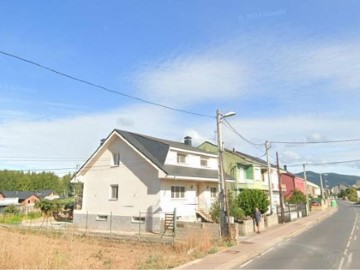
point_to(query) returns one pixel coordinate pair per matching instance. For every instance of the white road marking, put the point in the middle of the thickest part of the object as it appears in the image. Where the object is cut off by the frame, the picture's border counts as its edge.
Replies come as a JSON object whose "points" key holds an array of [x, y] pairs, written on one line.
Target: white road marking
{"points": [[245, 264], [355, 237], [267, 251], [348, 244], [349, 259], [341, 263]]}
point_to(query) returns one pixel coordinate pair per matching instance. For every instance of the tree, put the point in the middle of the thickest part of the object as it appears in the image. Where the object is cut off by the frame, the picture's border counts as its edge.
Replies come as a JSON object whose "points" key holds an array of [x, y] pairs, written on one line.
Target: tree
{"points": [[235, 210], [249, 199], [297, 197], [351, 194]]}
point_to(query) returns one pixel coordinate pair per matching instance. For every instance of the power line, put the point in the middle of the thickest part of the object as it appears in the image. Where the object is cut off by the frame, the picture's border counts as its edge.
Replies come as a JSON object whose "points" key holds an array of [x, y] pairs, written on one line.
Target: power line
{"points": [[255, 145], [102, 87], [316, 142], [325, 163]]}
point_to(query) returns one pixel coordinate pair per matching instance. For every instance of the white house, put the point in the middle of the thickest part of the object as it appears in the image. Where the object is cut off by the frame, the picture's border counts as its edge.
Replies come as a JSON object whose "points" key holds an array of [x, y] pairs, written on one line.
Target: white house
{"points": [[134, 178]]}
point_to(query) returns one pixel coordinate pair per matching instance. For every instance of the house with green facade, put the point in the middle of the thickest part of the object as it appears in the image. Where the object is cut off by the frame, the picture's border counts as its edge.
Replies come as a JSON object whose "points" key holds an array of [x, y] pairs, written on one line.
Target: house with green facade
{"points": [[249, 172]]}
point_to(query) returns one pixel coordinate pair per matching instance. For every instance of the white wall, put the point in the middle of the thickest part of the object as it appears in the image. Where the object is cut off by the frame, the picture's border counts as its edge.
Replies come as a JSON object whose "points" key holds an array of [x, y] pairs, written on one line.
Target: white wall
{"points": [[137, 179]]}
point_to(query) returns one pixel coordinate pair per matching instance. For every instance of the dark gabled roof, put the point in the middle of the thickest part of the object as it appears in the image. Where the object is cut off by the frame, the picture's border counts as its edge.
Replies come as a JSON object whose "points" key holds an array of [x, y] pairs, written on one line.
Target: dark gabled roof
{"points": [[22, 195], [43, 193], [157, 149]]}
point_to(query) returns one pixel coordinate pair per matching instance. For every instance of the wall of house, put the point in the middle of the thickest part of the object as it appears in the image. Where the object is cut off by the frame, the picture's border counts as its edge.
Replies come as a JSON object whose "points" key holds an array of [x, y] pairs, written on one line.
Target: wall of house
{"points": [[299, 184], [138, 183], [288, 181], [197, 196], [192, 160]]}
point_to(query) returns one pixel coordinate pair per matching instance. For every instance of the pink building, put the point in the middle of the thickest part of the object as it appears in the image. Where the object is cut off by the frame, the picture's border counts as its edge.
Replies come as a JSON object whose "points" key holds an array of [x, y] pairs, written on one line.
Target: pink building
{"points": [[292, 182]]}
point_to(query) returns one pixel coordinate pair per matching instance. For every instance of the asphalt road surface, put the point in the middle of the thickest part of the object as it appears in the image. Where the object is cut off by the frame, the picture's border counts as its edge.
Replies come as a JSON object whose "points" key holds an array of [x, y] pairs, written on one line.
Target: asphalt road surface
{"points": [[331, 244]]}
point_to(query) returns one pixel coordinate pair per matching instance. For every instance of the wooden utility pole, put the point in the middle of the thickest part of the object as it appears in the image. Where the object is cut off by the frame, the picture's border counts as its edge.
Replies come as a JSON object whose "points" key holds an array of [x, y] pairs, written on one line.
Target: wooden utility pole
{"points": [[306, 193], [267, 146], [280, 190]]}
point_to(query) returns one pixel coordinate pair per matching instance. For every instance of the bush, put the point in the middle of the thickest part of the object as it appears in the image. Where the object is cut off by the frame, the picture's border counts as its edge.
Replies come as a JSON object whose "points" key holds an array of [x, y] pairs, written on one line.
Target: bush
{"points": [[11, 209], [249, 199], [235, 210]]}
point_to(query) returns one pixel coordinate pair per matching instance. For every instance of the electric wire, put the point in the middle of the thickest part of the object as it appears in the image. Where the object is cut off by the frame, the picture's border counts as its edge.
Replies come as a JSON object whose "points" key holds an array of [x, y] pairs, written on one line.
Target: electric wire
{"points": [[315, 142], [102, 87], [325, 163]]}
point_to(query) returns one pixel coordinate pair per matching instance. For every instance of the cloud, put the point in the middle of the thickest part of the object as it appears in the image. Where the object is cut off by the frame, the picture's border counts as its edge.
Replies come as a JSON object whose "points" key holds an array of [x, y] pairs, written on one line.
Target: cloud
{"points": [[194, 79]]}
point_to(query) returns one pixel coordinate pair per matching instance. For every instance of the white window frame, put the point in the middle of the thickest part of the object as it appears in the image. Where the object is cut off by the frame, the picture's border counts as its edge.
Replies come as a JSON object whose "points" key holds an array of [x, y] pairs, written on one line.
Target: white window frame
{"points": [[116, 159], [101, 218], [138, 219], [181, 158], [206, 160], [212, 193], [177, 192], [112, 189]]}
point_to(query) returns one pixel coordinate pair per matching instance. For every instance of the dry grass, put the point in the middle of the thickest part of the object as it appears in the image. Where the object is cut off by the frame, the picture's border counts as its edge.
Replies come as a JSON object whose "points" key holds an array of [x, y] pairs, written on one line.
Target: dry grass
{"points": [[49, 250]]}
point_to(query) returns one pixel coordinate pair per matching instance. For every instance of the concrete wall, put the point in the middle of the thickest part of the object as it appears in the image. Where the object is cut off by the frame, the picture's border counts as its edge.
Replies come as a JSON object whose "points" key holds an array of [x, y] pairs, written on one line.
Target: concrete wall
{"points": [[112, 223], [187, 231]]}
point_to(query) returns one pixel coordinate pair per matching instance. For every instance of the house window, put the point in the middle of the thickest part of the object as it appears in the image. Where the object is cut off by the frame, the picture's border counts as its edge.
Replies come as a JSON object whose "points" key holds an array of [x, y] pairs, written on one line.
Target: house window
{"points": [[177, 192], [114, 192], [138, 219], [116, 159], [204, 162], [101, 218], [181, 158], [213, 192]]}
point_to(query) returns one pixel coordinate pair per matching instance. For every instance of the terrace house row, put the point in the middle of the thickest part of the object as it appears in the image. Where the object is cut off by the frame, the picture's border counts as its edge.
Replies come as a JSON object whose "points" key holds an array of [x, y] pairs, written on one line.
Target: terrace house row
{"points": [[133, 178]]}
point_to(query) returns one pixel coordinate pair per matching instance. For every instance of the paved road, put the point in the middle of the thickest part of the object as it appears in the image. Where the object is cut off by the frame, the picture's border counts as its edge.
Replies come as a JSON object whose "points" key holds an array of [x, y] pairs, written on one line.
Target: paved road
{"points": [[332, 244]]}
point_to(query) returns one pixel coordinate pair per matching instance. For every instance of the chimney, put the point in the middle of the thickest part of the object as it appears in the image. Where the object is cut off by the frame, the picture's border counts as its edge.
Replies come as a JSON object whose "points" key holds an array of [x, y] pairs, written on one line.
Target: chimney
{"points": [[102, 141], [187, 141]]}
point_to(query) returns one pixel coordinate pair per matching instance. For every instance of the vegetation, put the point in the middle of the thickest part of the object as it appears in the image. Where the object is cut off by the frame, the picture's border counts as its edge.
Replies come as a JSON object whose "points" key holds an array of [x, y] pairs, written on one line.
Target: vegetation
{"points": [[235, 210], [31, 181], [54, 208], [49, 249], [350, 194], [297, 197], [249, 199]]}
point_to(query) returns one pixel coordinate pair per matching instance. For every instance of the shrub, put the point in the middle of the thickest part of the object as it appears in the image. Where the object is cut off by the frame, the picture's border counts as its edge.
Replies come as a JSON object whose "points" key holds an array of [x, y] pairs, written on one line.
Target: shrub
{"points": [[249, 199]]}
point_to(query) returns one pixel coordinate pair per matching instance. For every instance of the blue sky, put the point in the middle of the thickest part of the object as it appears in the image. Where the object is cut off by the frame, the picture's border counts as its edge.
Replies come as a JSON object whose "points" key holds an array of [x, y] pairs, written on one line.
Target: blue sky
{"points": [[290, 70]]}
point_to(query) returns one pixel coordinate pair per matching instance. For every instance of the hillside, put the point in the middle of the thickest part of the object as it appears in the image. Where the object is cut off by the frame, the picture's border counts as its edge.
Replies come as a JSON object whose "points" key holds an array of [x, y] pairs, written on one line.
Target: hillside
{"points": [[330, 179]]}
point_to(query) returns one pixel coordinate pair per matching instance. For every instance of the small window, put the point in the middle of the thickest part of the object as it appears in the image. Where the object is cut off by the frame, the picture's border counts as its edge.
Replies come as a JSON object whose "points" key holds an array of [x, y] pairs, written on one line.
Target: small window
{"points": [[177, 192], [116, 159], [114, 192], [101, 218], [204, 162], [138, 219], [213, 192], [181, 158]]}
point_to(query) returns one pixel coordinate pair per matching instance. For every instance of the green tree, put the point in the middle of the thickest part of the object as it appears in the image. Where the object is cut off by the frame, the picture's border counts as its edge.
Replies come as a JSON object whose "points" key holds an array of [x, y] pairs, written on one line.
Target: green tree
{"points": [[351, 194], [249, 199], [297, 197], [235, 210]]}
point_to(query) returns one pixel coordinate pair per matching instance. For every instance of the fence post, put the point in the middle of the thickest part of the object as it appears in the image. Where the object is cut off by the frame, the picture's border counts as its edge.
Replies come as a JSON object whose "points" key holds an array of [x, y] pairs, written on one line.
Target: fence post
{"points": [[174, 224], [139, 223], [86, 221], [110, 221]]}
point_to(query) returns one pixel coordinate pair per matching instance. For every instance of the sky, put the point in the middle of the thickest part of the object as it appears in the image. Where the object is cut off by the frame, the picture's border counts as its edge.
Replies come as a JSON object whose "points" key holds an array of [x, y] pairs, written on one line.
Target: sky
{"points": [[289, 69]]}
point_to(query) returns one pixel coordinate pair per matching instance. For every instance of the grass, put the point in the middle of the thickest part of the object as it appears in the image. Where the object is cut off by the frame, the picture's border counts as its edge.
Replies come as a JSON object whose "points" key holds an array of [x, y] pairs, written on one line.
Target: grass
{"points": [[24, 248]]}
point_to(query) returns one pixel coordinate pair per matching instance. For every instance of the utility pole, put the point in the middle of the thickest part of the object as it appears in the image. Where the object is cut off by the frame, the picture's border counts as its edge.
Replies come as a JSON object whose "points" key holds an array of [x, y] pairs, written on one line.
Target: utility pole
{"points": [[306, 193], [222, 217], [223, 196], [280, 189], [322, 189], [267, 146]]}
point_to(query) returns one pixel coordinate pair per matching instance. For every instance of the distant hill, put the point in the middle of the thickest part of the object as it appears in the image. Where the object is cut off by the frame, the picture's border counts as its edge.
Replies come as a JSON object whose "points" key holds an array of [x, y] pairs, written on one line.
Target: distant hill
{"points": [[330, 179]]}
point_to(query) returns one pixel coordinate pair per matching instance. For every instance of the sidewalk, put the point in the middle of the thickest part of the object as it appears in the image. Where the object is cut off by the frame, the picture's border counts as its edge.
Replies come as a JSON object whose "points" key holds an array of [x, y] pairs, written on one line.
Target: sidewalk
{"points": [[251, 246]]}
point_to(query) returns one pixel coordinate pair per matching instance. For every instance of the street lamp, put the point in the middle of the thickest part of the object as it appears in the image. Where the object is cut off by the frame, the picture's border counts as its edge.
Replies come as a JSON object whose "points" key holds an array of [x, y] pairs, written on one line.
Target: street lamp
{"points": [[224, 203]]}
